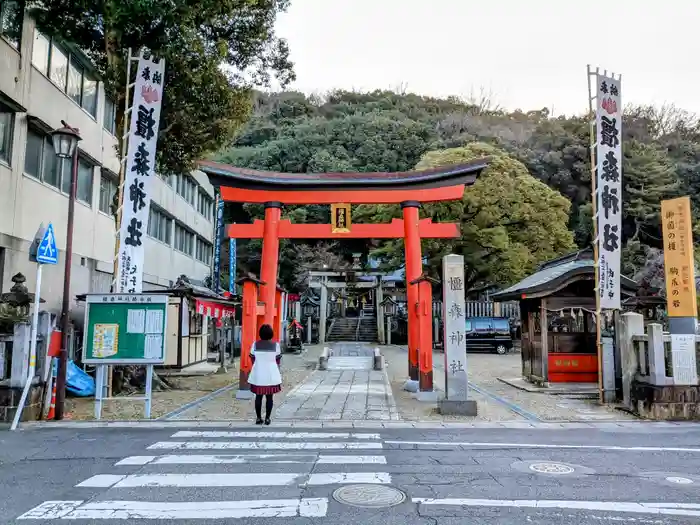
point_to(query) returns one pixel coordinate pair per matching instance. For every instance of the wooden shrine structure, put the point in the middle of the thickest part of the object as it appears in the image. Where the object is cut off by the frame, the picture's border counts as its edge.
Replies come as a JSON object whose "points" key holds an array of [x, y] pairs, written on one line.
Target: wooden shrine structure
{"points": [[261, 298], [557, 308]]}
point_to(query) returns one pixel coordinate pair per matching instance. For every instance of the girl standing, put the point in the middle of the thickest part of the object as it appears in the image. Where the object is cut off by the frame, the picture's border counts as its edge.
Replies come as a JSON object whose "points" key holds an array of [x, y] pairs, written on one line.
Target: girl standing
{"points": [[265, 378]]}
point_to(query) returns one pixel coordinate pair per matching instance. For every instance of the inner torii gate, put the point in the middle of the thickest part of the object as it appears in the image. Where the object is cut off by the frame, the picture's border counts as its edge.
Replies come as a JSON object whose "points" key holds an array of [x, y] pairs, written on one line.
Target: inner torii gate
{"points": [[273, 190]]}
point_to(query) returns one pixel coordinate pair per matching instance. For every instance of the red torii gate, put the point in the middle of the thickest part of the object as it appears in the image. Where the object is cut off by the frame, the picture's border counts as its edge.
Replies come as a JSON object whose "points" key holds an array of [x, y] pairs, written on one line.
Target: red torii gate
{"points": [[273, 190]]}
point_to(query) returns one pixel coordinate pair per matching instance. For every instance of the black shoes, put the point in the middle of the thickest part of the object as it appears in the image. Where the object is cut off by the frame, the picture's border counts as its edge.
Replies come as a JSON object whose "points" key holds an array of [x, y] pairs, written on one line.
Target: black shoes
{"points": [[259, 421], [267, 420]]}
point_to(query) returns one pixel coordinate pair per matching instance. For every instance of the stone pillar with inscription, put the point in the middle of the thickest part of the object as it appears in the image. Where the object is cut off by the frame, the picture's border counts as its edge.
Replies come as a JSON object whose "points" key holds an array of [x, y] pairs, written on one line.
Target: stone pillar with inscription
{"points": [[456, 401]]}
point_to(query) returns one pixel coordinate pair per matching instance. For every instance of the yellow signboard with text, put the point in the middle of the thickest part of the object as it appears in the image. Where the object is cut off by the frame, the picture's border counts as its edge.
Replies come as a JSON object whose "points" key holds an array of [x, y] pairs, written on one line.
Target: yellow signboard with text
{"points": [[679, 261], [340, 218]]}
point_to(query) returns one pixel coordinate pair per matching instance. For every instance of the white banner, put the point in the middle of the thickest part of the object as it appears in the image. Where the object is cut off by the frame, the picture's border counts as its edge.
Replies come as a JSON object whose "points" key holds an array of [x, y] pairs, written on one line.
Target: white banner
{"points": [[139, 172], [609, 188]]}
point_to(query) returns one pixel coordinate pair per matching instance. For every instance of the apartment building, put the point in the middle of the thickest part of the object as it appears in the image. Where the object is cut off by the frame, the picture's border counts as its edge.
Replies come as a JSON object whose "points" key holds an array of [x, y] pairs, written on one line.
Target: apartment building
{"points": [[41, 83]]}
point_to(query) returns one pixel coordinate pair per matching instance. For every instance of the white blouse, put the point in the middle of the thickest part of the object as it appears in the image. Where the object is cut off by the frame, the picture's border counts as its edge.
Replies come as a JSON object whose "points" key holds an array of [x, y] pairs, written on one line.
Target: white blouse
{"points": [[265, 371]]}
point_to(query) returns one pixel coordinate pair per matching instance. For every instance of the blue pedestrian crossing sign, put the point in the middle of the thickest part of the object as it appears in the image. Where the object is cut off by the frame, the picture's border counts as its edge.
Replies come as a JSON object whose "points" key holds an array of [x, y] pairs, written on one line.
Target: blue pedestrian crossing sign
{"points": [[47, 252]]}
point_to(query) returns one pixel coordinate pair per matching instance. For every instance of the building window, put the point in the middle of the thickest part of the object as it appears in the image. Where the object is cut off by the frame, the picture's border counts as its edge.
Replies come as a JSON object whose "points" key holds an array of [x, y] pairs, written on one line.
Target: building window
{"points": [[89, 101], [40, 52], [108, 189], [7, 124], [204, 251], [11, 21], [34, 155], [110, 116], [75, 81], [41, 162], [86, 174], [184, 239], [159, 225], [186, 188], [66, 71], [58, 66], [205, 204]]}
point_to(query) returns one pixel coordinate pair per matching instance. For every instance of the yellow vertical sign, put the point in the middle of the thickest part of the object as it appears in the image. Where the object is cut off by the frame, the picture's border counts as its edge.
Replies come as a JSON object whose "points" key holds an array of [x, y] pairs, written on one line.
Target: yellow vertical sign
{"points": [[679, 261], [340, 218]]}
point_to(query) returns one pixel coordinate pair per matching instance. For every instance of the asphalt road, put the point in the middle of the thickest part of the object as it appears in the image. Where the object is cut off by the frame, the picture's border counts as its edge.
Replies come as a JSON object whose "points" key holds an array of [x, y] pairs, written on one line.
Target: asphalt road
{"points": [[273, 475]]}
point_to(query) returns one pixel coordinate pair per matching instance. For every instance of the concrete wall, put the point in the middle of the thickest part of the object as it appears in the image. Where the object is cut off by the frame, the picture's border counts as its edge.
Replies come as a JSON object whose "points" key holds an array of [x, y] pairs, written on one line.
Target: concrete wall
{"points": [[26, 202]]}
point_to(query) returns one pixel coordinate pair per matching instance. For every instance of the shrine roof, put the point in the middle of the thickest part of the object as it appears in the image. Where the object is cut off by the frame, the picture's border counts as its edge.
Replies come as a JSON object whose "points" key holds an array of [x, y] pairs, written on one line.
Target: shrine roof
{"points": [[555, 274], [244, 178]]}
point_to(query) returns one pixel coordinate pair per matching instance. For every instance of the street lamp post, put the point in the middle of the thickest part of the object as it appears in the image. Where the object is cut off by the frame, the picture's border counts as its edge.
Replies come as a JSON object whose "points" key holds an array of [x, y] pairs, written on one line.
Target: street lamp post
{"points": [[65, 144]]}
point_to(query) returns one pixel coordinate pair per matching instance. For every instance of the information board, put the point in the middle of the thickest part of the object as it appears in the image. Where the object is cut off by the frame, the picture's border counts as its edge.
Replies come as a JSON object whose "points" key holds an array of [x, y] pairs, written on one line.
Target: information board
{"points": [[125, 329]]}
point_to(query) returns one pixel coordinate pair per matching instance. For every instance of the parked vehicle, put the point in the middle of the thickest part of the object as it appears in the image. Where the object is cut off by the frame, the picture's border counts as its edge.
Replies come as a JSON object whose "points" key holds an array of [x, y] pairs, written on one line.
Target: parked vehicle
{"points": [[488, 334]]}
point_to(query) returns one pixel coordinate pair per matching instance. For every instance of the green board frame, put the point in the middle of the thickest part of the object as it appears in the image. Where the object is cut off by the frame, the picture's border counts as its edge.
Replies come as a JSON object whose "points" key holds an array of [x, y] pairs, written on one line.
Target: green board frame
{"points": [[109, 314]]}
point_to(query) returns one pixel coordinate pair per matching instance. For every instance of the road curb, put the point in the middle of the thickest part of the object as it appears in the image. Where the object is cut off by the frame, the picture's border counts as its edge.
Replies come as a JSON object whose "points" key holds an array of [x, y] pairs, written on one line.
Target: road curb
{"points": [[642, 426]]}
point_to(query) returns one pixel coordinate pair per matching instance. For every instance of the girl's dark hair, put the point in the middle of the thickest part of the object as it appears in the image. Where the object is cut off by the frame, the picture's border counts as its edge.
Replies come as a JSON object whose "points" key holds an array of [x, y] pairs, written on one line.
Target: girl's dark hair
{"points": [[266, 332]]}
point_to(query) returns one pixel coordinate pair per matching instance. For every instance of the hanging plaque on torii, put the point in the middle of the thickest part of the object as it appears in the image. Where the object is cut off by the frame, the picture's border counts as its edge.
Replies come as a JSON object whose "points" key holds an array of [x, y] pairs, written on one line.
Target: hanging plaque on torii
{"points": [[273, 190]]}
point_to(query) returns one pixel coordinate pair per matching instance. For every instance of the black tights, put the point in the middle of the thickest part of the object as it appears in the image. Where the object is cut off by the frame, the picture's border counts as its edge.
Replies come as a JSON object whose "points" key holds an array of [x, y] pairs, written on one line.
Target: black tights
{"points": [[268, 405]]}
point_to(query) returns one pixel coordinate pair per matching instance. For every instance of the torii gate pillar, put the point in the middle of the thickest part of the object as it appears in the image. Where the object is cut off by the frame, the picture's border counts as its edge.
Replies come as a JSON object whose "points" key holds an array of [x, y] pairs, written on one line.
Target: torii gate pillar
{"points": [[249, 332], [269, 262], [414, 269]]}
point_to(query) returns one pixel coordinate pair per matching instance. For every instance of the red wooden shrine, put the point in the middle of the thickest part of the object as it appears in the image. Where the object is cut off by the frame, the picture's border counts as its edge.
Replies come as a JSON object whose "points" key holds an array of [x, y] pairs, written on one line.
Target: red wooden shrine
{"points": [[262, 299]]}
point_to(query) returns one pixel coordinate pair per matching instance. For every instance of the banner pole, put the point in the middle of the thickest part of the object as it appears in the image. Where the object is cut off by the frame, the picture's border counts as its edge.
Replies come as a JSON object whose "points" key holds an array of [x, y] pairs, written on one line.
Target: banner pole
{"points": [[594, 199], [120, 196]]}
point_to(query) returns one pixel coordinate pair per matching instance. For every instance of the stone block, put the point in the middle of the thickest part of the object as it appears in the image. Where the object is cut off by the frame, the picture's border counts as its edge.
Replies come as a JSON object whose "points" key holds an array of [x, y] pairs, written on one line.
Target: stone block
{"points": [[666, 402], [457, 408], [244, 394], [411, 385], [431, 396], [10, 397]]}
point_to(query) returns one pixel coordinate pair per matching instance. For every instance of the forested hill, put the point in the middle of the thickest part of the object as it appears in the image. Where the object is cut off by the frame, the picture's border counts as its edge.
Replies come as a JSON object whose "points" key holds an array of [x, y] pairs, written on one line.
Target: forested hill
{"points": [[510, 220]]}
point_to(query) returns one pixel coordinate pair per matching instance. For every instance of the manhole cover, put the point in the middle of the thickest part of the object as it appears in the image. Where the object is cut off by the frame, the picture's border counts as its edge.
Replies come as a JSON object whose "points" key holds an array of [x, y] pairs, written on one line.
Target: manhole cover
{"points": [[551, 468], [369, 496], [679, 480], [673, 478]]}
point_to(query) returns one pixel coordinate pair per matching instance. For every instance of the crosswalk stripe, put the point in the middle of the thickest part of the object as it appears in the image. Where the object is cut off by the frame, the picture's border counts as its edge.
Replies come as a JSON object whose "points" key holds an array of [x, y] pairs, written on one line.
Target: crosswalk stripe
{"points": [[223, 459], [665, 508], [263, 445], [276, 479], [335, 478], [348, 460], [274, 435], [211, 510]]}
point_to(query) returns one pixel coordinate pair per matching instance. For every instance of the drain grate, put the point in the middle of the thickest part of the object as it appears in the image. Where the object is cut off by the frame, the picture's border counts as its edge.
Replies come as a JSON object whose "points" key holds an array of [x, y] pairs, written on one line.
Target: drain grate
{"points": [[369, 496]]}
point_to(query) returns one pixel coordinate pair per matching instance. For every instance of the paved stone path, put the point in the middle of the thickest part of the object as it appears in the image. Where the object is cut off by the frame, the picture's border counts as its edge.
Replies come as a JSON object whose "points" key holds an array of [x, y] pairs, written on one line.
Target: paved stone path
{"points": [[348, 390]]}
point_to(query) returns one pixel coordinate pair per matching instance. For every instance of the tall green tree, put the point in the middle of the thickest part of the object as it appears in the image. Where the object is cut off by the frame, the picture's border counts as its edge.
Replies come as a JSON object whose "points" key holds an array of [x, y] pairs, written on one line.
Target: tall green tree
{"points": [[384, 131], [510, 221], [648, 178], [215, 52]]}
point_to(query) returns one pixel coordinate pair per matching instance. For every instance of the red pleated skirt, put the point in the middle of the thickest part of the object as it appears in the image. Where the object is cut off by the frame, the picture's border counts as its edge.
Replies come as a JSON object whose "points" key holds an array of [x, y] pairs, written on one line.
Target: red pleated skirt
{"points": [[265, 390]]}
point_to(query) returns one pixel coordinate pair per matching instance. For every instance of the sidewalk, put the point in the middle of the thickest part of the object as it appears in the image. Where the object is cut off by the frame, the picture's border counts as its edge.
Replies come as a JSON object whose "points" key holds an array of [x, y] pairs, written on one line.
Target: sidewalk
{"points": [[497, 400], [223, 405], [198, 396], [410, 409], [349, 390]]}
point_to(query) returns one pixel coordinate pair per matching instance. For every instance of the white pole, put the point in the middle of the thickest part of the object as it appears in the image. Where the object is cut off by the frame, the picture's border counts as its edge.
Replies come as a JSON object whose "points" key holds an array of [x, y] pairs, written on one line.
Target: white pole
{"points": [[99, 390], [149, 391], [32, 351]]}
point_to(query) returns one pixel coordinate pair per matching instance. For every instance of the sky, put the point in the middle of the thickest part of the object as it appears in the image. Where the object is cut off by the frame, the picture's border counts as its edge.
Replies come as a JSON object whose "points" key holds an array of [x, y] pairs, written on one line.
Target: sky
{"points": [[526, 54]]}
